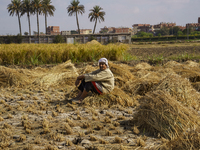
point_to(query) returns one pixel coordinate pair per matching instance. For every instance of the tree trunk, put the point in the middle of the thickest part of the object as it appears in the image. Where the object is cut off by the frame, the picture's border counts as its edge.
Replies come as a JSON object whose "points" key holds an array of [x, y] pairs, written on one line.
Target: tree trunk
{"points": [[46, 23], [95, 26], [29, 23], [77, 23], [38, 27], [38, 24], [20, 30]]}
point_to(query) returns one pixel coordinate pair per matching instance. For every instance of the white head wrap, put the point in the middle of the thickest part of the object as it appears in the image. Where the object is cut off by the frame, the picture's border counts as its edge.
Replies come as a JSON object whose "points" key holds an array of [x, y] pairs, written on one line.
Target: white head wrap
{"points": [[104, 60]]}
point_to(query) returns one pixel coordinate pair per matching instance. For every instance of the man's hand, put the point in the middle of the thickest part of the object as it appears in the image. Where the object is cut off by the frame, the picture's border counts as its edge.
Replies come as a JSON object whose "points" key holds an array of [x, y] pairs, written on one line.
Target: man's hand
{"points": [[79, 79], [77, 82]]}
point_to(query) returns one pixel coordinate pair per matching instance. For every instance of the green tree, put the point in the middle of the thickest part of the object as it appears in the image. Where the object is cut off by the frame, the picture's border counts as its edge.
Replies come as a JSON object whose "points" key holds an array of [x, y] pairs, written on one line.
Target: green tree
{"points": [[47, 9], [174, 30], [28, 9], [15, 8], [37, 9], [163, 31], [25, 33], [75, 9], [96, 14], [180, 33]]}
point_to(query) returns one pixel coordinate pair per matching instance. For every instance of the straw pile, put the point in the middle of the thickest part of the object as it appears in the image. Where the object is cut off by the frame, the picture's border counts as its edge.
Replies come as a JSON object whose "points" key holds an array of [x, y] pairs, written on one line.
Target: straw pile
{"points": [[140, 86], [116, 97], [187, 140], [64, 73], [172, 64], [159, 112], [94, 42], [11, 77], [192, 64], [181, 89], [144, 66]]}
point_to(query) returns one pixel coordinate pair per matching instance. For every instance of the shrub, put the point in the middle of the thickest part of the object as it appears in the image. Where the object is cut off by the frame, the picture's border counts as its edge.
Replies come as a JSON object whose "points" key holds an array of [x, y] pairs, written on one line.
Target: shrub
{"points": [[58, 39]]}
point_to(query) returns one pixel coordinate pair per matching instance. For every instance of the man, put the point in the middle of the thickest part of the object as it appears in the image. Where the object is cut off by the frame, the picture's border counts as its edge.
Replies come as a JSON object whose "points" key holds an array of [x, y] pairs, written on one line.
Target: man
{"points": [[99, 81]]}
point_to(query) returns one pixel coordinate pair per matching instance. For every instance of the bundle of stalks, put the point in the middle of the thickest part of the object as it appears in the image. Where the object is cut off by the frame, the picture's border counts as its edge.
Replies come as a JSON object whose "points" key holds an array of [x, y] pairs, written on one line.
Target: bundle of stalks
{"points": [[186, 140], [93, 42], [192, 64], [181, 89], [142, 85], [117, 96], [163, 72], [65, 72], [118, 71], [192, 74], [11, 77], [89, 69], [144, 66], [159, 112], [172, 64]]}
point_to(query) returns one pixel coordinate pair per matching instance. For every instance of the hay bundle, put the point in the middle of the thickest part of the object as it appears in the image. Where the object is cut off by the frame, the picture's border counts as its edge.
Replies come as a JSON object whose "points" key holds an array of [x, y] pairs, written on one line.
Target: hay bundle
{"points": [[118, 71], [64, 73], [142, 85], [172, 64], [159, 112], [145, 66], [116, 97], [187, 140], [89, 68], [191, 74], [140, 73], [163, 72], [192, 64], [12, 77], [181, 90], [94, 42]]}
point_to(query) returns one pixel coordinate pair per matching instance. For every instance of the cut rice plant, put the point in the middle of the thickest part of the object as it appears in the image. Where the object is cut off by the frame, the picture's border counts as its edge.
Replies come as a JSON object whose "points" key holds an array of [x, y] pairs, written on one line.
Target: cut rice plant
{"points": [[159, 112]]}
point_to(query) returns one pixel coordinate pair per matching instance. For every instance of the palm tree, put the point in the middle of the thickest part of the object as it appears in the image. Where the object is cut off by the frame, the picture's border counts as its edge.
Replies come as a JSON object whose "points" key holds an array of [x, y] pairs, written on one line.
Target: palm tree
{"points": [[47, 9], [75, 9], [37, 8], [28, 9], [15, 8], [96, 14]]}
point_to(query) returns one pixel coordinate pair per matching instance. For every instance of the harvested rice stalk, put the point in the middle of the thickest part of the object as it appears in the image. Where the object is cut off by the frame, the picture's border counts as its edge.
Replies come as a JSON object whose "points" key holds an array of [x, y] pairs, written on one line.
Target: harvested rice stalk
{"points": [[181, 90], [159, 112]]}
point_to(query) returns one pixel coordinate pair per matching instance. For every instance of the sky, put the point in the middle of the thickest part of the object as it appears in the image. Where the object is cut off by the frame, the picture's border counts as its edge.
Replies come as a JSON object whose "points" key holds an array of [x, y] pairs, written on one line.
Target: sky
{"points": [[119, 13]]}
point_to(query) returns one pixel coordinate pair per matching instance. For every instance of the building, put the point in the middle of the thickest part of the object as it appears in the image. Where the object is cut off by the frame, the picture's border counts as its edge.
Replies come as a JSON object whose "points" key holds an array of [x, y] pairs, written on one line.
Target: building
{"points": [[142, 27], [65, 32], [53, 30], [85, 31], [164, 24], [107, 30], [122, 30]]}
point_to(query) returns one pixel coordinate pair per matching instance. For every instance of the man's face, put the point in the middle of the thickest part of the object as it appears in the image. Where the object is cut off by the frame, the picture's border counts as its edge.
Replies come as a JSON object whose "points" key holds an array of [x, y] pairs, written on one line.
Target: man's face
{"points": [[102, 66]]}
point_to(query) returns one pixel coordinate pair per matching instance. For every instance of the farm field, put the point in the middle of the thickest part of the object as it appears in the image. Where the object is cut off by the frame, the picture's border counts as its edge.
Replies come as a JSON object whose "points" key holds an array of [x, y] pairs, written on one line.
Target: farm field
{"points": [[155, 103]]}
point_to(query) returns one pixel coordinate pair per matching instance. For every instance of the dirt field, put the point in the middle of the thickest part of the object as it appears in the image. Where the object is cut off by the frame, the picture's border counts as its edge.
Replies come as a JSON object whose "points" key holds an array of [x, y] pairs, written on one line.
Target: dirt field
{"points": [[35, 112]]}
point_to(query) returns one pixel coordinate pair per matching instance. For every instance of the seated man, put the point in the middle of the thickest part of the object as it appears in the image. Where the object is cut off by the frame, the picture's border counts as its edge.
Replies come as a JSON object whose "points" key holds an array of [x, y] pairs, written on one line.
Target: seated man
{"points": [[99, 81]]}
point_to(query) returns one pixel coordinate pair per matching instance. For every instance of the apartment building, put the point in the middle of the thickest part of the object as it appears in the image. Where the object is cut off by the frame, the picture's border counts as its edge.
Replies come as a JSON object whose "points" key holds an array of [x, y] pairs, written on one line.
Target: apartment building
{"points": [[65, 32], [85, 31], [107, 30], [53, 30], [142, 27]]}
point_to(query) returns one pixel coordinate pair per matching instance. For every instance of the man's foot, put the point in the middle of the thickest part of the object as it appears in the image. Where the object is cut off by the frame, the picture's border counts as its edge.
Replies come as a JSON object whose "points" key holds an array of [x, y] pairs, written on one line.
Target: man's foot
{"points": [[78, 101]]}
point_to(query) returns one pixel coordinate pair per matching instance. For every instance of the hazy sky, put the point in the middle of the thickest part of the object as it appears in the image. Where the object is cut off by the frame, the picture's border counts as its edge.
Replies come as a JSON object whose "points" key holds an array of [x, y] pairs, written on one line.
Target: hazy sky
{"points": [[119, 13]]}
